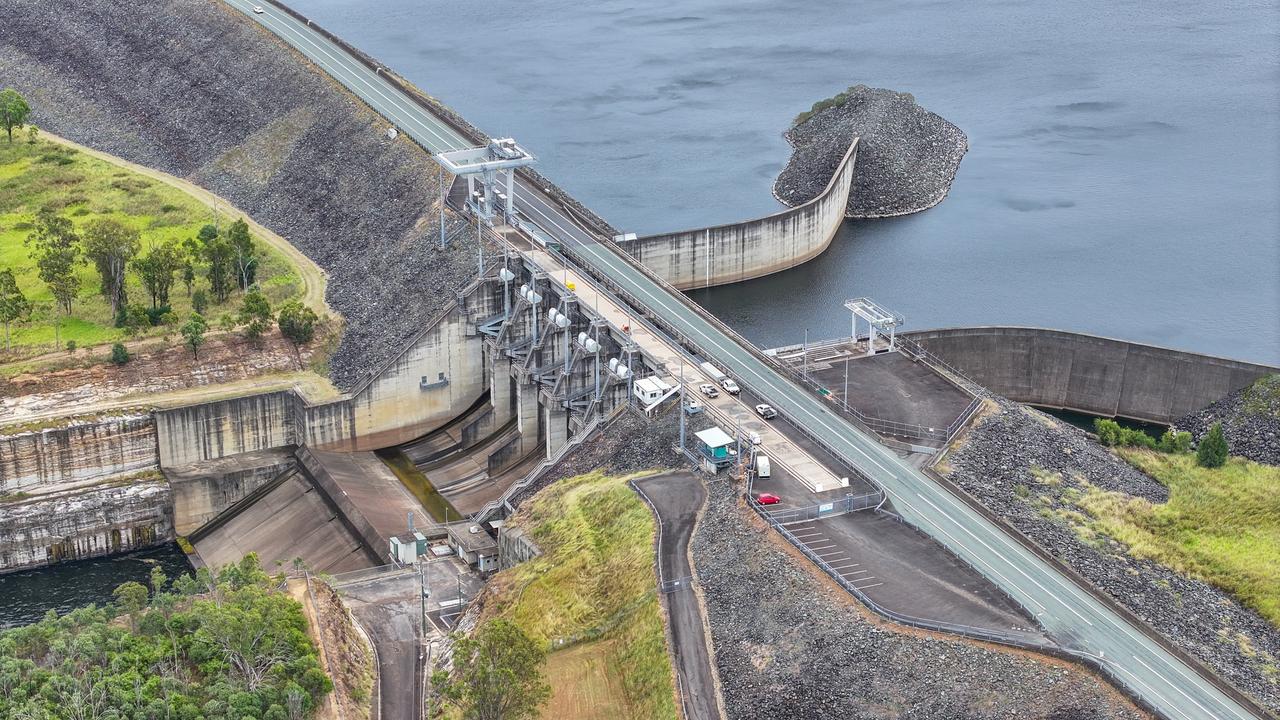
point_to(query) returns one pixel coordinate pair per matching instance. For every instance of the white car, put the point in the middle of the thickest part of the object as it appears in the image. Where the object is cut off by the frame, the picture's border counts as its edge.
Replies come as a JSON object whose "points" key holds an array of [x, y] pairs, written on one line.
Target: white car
{"points": [[766, 411], [730, 386], [754, 437], [709, 390], [257, 9]]}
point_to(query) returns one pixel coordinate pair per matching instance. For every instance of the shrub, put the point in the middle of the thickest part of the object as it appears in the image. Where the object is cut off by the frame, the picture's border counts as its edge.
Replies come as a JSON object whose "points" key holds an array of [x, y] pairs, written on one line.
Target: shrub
{"points": [[199, 301], [119, 354], [71, 346], [1212, 452], [155, 315], [1175, 442]]}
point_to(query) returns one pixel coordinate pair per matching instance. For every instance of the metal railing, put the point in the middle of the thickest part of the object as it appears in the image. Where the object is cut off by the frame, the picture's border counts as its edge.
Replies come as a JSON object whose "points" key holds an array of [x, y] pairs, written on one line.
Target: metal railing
{"points": [[912, 347], [838, 506]]}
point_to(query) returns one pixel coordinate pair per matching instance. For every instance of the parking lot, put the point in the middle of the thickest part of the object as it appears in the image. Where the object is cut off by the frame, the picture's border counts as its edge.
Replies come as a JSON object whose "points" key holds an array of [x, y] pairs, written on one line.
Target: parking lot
{"points": [[834, 554]]}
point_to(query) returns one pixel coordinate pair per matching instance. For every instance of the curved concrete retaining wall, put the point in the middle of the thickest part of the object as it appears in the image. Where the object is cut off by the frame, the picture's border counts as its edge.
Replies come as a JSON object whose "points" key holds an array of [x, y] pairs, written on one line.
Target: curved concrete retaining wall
{"points": [[1087, 373], [755, 248]]}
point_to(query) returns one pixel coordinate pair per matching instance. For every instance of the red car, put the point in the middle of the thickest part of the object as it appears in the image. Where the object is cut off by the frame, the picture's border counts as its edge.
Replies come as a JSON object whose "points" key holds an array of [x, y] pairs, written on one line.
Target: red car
{"points": [[768, 499]]}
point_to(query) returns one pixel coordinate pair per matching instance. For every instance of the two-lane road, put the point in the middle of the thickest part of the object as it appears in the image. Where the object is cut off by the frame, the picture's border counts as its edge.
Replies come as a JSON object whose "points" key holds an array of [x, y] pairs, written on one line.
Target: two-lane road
{"points": [[1072, 615]]}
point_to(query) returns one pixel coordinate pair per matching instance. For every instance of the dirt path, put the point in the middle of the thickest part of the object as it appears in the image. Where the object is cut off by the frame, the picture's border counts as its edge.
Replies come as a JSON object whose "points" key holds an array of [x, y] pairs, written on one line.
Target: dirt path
{"points": [[313, 278]]}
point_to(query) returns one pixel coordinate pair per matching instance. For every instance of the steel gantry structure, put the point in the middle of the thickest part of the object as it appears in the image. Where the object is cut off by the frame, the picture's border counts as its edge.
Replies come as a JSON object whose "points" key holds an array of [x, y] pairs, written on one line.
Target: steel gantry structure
{"points": [[1081, 622]]}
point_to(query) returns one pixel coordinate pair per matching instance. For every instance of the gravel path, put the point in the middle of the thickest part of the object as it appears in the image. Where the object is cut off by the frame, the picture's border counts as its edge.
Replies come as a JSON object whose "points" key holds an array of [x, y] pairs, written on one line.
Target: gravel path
{"points": [[789, 645], [994, 465], [907, 157], [192, 89], [1250, 420]]}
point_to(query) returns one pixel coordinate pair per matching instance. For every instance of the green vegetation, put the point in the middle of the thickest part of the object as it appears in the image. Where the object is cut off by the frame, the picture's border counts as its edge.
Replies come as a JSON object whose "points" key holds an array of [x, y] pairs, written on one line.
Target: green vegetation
{"points": [[102, 253], [1212, 452], [497, 673], [1113, 434], [592, 590], [837, 100], [193, 333], [13, 112], [1219, 525], [230, 646], [119, 354], [1263, 397]]}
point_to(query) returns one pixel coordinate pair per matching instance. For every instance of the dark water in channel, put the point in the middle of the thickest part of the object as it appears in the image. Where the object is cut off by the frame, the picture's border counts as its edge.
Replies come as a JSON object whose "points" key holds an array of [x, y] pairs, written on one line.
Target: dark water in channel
{"points": [[1123, 177], [25, 596]]}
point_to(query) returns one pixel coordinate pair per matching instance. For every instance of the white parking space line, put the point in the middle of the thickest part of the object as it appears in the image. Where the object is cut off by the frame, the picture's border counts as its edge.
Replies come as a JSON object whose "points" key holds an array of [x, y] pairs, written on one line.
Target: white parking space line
{"points": [[819, 548], [864, 587]]}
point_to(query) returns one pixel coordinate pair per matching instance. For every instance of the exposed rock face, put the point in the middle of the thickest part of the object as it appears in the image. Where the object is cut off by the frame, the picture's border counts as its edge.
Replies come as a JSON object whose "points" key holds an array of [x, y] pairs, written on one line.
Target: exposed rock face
{"points": [[192, 88], [995, 466], [80, 451], [80, 524], [907, 156], [1250, 420], [790, 646]]}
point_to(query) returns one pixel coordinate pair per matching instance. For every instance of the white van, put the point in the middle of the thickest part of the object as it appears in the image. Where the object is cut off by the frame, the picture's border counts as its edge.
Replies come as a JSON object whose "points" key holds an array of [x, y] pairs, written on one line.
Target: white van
{"points": [[762, 466]]}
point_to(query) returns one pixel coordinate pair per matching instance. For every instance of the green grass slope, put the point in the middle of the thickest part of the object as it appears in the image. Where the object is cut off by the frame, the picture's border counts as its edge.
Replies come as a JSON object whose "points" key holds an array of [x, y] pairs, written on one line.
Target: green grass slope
{"points": [[83, 188], [591, 596], [1220, 525]]}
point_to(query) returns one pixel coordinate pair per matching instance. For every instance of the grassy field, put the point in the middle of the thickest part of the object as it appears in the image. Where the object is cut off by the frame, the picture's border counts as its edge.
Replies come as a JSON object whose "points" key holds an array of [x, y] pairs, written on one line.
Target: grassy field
{"points": [[1221, 525], [591, 595], [84, 188]]}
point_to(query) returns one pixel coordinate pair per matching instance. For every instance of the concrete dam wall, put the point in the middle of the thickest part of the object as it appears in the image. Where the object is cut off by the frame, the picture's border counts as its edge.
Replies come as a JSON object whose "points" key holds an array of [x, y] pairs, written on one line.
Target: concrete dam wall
{"points": [[1087, 373], [745, 250]]}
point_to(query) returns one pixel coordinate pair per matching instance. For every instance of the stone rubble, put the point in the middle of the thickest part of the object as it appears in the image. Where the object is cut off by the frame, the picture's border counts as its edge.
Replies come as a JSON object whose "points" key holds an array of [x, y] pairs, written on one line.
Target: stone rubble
{"points": [[789, 645], [907, 156], [194, 89], [994, 465], [1250, 420]]}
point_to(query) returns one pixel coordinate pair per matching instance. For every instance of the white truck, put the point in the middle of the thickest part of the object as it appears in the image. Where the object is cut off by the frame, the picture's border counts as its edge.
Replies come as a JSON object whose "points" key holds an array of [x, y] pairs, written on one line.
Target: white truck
{"points": [[718, 375]]}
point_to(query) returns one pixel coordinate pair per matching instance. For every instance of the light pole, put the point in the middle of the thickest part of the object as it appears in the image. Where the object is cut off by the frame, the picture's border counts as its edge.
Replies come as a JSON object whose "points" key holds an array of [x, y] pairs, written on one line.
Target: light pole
{"points": [[441, 207]]}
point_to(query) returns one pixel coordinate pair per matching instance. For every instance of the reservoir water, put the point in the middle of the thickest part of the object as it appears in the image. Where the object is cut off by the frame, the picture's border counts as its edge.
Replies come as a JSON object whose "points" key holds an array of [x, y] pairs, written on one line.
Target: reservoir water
{"points": [[1123, 177], [26, 595]]}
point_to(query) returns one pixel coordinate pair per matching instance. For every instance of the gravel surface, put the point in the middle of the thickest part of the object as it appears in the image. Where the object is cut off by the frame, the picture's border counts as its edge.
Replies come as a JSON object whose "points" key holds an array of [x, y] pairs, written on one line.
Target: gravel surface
{"points": [[994, 465], [789, 645], [1250, 420], [629, 444], [907, 156], [193, 89]]}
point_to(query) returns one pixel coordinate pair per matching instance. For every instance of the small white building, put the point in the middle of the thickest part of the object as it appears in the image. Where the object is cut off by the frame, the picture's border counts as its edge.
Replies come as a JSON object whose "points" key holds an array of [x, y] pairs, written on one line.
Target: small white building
{"points": [[649, 390], [474, 546], [407, 547]]}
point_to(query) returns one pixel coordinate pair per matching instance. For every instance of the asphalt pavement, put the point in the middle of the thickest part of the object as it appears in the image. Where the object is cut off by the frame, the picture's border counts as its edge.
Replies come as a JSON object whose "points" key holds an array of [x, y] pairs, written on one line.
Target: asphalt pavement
{"points": [[1067, 611], [677, 499]]}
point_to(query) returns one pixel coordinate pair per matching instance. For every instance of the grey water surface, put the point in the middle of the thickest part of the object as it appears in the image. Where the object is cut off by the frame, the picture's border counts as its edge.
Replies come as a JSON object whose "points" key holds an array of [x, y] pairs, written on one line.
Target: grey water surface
{"points": [[1123, 177]]}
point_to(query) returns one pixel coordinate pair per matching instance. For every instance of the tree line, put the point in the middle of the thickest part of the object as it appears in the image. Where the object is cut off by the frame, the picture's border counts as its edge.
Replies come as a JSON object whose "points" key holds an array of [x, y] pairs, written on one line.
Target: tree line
{"points": [[225, 260], [229, 645]]}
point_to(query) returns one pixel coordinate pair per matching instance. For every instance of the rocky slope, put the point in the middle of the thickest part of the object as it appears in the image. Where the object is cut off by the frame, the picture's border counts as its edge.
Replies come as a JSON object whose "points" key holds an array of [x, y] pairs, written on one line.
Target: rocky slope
{"points": [[192, 88], [1250, 420], [790, 645], [907, 156], [1030, 468]]}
